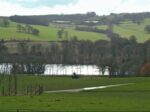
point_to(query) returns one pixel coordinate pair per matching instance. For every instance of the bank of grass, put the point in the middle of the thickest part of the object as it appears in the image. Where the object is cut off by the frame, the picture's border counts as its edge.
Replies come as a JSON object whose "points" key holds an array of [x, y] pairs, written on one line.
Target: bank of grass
{"points": [[135, 97]]}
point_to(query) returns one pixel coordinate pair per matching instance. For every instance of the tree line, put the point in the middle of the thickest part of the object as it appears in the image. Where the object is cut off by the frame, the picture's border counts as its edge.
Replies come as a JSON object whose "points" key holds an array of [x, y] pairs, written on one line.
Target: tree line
{"points": [[46, 19], [4, 22], [79, 19], [122, 56], [27, 29], [90, 29]]}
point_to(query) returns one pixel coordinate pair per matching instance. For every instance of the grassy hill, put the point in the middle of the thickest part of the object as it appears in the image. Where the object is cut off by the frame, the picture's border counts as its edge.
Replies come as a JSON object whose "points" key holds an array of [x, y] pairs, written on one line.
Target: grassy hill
{"points": [[48, 33], [127, 29]]}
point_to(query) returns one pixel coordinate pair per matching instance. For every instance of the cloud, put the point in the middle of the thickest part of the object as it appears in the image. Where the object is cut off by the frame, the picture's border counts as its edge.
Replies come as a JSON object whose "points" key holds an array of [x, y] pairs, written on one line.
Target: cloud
{"points": [[80, 6], [35, 3], [134, 6]]}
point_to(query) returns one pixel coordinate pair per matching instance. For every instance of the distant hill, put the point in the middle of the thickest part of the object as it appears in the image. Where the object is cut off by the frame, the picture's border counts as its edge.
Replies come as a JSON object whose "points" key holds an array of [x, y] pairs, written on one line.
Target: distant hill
{"points": [[46, 19], [125, 25], [82, 19], [48, 33]]}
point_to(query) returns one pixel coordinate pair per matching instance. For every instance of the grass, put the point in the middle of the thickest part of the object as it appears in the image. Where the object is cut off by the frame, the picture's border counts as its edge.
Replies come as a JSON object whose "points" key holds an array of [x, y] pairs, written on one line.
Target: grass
{"points": [[48, 33], [83, 35], [128, 98], [127, 29], [103, 27]]}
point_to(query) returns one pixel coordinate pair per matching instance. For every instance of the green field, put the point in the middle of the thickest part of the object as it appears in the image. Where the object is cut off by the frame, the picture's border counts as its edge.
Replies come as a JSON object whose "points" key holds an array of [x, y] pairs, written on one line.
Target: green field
{"points": [[48, 33], [129, 98], [127, 29]]}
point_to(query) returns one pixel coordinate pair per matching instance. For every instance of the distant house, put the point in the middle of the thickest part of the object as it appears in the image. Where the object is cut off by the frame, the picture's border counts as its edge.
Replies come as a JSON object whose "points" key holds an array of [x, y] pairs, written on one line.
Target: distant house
{"points": [[62, 22], [91, 22]]}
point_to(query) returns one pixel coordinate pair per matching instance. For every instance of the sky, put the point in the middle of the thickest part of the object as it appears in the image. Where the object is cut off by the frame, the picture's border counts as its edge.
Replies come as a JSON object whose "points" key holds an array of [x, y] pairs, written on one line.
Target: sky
{"points": [[44, 7]]}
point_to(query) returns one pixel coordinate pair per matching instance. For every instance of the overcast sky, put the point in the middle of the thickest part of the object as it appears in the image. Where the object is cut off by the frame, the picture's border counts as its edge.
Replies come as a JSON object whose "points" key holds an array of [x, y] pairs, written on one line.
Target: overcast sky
{"points": [[42, 7]]}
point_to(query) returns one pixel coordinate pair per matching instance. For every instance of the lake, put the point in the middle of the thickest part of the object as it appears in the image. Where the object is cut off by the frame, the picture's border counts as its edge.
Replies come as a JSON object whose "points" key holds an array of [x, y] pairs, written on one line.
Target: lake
{"points": [[59, 69]]}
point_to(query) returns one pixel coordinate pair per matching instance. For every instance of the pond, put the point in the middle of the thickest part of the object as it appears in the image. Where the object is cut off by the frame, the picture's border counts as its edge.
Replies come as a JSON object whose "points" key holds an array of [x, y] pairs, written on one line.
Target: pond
{"points": [[59, 69]]}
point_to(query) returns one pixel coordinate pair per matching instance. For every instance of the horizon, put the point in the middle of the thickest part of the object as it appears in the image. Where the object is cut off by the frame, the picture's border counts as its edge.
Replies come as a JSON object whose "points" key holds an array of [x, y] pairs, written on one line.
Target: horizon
{"points": [[48, 7], [78, 13]]}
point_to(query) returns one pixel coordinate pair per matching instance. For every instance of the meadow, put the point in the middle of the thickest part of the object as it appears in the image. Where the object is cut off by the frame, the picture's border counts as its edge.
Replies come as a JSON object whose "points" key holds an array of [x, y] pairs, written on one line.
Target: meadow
{"points": [[128, 29], [48, 33], [129, 98], [125, 29]]}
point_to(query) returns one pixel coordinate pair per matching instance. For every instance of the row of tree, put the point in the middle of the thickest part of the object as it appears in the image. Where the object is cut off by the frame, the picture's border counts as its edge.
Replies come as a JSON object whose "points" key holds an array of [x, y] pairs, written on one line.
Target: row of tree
{"points": [[82, 18], [62, 34], [4, 22], [122, 56], [27, 29], [46, 19], [90, 29], [147, 28], [9, 86]]}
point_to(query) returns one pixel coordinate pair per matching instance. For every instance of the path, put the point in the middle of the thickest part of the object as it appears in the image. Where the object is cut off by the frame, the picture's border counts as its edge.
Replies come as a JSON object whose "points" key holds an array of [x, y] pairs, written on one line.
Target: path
{"points": [[86, 89]]}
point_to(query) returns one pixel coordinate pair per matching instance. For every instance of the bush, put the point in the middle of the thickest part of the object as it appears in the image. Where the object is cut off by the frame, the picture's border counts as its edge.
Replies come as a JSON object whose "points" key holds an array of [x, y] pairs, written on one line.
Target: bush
{"points": [[145, 70], [147, 28]]}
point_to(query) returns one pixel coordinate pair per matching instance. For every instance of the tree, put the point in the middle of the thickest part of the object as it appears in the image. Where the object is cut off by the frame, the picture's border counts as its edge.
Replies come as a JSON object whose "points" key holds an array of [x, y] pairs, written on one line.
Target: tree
{"points": [[101, 55], [35, 32], [6, 22], [91, 14], [147, 28], [29, 29], [22, 49], [60, 33], [9, 84], [66, 35], [145, 70], [19, 27]]}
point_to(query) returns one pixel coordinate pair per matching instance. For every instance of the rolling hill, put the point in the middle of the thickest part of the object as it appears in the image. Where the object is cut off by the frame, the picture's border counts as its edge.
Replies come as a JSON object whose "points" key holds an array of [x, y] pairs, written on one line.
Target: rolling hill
{"points": [[126, 25], [47, 33], [128, 28]]}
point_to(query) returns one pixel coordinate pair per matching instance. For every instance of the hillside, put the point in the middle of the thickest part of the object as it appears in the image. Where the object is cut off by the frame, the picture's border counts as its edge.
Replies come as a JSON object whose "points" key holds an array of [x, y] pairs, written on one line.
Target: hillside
{"points": [[127, 29], [126, 25], [46, 19], [47, 33]]}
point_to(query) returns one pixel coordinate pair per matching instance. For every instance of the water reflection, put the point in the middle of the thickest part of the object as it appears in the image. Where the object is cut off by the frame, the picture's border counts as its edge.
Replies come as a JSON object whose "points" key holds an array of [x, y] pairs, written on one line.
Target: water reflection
{"points": [[57, 69], [70, 69]]}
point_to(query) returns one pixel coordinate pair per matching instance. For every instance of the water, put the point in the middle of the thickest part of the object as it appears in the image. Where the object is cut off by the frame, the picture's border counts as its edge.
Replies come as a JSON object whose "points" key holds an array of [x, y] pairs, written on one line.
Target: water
{"points": [[70, 69], [5, 68], [58, 69]]}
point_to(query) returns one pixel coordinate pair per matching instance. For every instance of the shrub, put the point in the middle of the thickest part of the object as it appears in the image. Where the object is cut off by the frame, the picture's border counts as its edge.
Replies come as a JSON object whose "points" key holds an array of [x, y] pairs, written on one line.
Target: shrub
{"points": [[145, 70]]}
